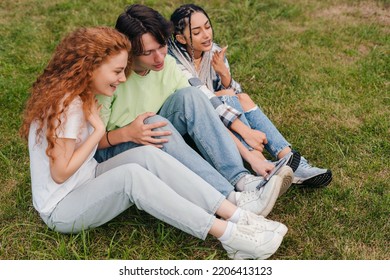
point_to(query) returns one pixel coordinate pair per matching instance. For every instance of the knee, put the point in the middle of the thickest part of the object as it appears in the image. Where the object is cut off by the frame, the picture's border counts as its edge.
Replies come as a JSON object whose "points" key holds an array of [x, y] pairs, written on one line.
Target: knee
{"points": [[154, 119], [148, 150], [243, 97], [245, 101], [158, 118], [190, 94]]}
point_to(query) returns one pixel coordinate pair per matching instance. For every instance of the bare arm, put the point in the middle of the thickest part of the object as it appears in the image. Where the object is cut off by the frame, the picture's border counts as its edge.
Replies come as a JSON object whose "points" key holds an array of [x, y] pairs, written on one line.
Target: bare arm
{"points": [[220, 68], [256, 159], [254, 138], [66, 159]]}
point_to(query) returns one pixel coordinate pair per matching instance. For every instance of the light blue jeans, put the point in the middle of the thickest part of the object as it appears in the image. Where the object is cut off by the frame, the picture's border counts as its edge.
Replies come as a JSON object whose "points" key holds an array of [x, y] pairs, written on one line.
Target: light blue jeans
{"points": [[189, 111], [149, 178], [256, 119]]}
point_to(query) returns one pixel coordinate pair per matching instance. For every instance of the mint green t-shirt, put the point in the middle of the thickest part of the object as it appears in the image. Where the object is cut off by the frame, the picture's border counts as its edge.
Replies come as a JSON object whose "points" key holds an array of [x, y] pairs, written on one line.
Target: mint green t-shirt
{"points": [[140, 94]]}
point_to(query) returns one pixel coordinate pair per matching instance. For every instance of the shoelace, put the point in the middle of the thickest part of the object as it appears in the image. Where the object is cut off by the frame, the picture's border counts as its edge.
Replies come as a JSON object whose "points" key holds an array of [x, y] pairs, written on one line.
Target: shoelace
{"points": [[259, 225], [248, 195], [304, 163], [251, 178], [246, 233]]}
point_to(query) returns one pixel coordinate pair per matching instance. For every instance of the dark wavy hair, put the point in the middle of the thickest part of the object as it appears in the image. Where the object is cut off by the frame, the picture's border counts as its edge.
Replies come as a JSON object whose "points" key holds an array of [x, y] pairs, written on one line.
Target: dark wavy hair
{"points": [[138, 20], [68, 75]]}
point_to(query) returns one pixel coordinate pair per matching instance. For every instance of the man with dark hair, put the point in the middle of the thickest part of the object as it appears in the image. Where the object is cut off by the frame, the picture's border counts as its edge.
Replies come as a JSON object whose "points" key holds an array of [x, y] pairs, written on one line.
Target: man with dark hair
{"points": [[157, 86]]}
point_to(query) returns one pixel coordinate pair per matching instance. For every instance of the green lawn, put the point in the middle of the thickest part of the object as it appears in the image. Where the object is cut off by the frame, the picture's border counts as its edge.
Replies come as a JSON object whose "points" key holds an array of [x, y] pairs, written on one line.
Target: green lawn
{"points": [[319, 69]]}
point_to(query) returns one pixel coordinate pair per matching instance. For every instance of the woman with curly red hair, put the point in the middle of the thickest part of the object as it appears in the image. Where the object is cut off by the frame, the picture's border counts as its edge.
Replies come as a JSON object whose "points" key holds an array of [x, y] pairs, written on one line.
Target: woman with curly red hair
{"points": [[72, 192]]}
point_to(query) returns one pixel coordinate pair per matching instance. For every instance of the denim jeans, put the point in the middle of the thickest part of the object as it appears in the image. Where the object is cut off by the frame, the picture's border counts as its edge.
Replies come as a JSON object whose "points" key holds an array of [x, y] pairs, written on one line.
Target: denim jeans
{"points": [[178, 148], [256, 119], [191, 112], [149, 178]]}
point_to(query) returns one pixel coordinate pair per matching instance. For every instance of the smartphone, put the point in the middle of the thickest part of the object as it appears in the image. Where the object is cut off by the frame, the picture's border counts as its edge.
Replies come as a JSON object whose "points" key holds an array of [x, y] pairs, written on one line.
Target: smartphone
{"points": [[278, 165]]}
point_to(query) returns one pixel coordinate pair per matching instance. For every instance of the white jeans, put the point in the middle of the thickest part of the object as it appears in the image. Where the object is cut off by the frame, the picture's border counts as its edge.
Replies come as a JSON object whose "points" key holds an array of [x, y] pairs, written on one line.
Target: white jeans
{"points": [[149, 178]]}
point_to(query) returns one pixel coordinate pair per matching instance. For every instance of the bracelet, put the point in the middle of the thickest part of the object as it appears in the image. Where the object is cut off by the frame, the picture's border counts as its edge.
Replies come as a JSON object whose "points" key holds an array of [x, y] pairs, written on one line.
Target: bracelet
{"points": [[108, 141]]}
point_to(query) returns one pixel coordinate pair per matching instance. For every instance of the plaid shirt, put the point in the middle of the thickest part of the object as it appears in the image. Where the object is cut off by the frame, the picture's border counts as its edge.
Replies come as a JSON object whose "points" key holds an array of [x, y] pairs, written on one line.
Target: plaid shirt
{"points": [[226, 113], [217, 82]]}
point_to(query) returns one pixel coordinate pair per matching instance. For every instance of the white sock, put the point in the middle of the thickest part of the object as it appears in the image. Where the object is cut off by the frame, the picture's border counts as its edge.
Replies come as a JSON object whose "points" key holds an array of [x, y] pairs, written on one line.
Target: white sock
{"points": [[228, 232], [240, 184], [232, 197], [236, 216]]}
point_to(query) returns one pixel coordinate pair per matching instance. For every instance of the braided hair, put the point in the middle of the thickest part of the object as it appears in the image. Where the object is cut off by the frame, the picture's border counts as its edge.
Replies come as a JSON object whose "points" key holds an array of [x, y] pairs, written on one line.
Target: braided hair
{"points": [[181, 17]]}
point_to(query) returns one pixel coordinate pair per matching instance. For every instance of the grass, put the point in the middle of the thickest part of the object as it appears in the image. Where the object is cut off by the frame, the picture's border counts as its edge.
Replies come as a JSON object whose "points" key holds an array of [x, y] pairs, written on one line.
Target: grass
{"points": [[319, 69]]}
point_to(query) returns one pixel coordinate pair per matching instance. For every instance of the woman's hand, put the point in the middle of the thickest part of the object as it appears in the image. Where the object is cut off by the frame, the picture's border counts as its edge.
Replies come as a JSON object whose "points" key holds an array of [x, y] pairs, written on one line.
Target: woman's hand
{"points": [[218, 63], [66, 157], [94, 119]]}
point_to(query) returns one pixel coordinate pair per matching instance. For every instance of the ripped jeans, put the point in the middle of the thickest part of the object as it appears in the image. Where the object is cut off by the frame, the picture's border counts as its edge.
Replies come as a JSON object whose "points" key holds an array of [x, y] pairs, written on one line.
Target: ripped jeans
{"points": [[256, 119]]}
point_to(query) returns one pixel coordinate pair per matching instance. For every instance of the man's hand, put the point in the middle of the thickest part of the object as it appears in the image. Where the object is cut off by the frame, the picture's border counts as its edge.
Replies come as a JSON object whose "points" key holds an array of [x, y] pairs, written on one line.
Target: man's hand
{"points": [[256, 139], [145, 134]]}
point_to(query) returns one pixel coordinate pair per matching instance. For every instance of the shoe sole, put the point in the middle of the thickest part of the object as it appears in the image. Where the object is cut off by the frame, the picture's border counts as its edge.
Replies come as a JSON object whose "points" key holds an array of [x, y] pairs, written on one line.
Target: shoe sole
{"points": [[294, 160], [287, 175], [269, 250], [273, 197], [321, 180]]}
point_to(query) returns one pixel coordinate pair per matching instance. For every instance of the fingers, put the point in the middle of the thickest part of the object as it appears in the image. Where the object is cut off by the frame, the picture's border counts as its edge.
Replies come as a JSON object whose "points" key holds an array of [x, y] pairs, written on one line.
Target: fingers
{"points": [[258, 147], [159, 133], [156, 142], [155, 125], [219, 54], [146, 115], [152, 140], [223, 51]]}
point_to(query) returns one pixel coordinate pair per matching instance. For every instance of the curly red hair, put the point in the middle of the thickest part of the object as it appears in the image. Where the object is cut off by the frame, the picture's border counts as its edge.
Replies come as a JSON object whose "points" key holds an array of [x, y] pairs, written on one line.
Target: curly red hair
{"points": [[68, 75]]}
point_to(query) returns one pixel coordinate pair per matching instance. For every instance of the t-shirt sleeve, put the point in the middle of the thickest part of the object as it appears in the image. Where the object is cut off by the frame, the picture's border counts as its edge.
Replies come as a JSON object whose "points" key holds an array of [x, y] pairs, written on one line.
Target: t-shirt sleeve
{"points": [[71, 120]]}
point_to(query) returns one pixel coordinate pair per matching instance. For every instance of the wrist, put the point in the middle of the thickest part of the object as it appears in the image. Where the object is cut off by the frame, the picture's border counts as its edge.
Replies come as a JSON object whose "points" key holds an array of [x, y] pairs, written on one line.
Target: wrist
{"points": [[245, 132], [100, 130], [224, 74]]}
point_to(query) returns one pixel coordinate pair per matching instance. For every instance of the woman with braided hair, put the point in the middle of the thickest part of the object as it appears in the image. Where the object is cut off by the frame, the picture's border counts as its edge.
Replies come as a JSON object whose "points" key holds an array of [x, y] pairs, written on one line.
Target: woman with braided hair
{"points": [[199, 57]]}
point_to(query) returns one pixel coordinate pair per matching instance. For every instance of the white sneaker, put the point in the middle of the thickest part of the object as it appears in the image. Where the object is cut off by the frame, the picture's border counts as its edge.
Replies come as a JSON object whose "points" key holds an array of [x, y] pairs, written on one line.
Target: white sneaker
{"points": [[260, 201], [261, 223], [249, 183], [247, 242], [287, 174]]}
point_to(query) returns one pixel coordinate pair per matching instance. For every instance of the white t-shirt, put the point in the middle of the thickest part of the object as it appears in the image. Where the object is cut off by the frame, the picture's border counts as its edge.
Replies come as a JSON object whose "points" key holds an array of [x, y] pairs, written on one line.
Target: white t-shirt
{"points": [[47, 193]]}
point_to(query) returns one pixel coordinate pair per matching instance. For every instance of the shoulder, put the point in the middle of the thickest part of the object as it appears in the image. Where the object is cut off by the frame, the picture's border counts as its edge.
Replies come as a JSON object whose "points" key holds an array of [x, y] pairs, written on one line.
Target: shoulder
{"points": [[75, 106], [171, 65]]}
